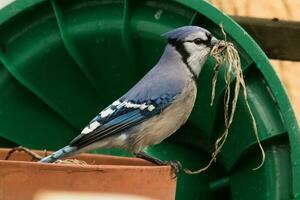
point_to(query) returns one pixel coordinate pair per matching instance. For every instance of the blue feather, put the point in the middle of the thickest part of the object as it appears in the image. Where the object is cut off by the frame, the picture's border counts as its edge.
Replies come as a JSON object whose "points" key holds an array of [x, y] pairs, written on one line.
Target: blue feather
{"points": [[66, 151], [123, 117], [179, 34]]}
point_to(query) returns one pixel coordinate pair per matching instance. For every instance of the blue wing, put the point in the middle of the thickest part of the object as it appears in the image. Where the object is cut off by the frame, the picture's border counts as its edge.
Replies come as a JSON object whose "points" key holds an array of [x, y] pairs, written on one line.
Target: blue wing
{"points": [[156, 91], [121, 115]]}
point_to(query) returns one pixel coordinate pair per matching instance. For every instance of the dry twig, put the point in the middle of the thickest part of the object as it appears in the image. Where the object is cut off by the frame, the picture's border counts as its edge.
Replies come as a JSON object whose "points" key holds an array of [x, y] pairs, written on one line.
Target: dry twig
{"points": [[34, 155]]}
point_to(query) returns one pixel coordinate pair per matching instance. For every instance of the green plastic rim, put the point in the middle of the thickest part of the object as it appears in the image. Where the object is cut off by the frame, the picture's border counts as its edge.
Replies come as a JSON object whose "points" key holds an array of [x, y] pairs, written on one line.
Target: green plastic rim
{"points": [[61, 62]]}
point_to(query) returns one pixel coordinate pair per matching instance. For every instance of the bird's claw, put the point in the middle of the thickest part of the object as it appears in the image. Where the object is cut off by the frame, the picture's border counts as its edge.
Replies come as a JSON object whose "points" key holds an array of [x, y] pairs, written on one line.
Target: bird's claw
{"points": [[175, 165]]}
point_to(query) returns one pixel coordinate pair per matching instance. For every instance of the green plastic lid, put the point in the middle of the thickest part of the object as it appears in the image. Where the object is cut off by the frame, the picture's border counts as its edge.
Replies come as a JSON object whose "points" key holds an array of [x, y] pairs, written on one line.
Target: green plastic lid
{"points": [[61, 62]]}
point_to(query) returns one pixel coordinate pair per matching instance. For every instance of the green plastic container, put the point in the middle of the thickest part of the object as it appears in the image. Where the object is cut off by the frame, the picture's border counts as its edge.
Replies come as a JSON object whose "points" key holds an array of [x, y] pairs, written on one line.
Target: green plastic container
{"points": [[61, 62]]}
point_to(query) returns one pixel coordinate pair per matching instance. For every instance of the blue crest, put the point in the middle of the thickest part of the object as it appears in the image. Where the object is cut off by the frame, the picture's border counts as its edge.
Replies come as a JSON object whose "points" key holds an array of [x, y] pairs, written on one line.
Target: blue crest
{"points": [[181, 33]]}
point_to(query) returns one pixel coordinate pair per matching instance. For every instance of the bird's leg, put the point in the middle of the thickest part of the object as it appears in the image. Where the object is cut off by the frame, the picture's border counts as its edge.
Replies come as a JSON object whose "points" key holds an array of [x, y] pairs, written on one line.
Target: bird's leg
{"points": [[175, 164]]}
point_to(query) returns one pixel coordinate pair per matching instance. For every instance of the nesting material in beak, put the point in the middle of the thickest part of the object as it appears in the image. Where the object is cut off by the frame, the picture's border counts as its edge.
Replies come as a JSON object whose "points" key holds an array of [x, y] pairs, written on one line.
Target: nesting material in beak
{"points": [[227, 56]]}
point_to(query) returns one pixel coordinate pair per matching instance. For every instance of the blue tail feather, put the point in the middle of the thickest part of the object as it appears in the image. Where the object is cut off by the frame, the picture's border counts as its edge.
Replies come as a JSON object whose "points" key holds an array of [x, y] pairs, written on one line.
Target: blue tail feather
{"points": [[66, 151]]}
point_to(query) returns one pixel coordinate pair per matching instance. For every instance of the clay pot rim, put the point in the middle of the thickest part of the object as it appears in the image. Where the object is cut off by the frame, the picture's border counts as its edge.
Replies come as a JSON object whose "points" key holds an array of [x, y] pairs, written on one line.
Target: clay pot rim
{"points": [[85, 166], [123, 163], [101, 174]]}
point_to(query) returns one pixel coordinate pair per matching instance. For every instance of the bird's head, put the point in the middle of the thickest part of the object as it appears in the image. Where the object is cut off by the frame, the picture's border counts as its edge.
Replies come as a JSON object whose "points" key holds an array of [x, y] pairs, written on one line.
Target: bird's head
{"points": [[193, 43]]}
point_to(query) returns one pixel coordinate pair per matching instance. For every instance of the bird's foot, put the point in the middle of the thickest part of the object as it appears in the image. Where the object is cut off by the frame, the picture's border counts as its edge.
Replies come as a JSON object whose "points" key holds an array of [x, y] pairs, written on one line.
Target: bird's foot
{"points": [[175, 164]]}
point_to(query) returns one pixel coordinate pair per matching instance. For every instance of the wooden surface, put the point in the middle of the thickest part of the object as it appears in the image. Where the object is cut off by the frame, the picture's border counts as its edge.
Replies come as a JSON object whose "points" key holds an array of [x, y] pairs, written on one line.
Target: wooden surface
{"points": [[280, 45], [289, 72]]}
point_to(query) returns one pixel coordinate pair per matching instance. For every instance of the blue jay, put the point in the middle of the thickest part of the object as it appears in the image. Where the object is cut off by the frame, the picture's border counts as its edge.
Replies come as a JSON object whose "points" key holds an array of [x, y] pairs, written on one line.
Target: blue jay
{"points": [[158, 105]]}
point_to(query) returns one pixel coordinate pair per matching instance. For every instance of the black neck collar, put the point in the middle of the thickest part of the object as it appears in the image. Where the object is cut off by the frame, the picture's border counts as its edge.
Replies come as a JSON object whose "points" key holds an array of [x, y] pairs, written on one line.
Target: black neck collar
{"points": [[184, 55]]}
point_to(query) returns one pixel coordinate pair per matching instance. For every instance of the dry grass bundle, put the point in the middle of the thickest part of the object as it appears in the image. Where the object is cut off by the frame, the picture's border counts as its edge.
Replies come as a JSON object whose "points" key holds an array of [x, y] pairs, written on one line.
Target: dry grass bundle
{"points": [[227, 56]]}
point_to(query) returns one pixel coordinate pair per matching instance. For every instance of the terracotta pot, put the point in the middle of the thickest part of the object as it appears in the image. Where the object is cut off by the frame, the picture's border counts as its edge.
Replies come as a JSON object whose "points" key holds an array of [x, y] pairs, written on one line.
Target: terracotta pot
{"points": [[21, 179]]}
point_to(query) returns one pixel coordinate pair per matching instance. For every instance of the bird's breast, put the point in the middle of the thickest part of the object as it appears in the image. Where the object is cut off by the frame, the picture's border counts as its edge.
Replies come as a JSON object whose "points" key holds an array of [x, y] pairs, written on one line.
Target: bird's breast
{"points": [[160, 127]]}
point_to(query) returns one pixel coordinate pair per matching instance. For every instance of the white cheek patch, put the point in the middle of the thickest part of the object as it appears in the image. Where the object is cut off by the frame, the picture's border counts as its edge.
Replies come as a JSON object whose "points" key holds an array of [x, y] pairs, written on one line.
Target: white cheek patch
{"points": [[90, 127], [190, 47], [198, 56], [106, 112]]}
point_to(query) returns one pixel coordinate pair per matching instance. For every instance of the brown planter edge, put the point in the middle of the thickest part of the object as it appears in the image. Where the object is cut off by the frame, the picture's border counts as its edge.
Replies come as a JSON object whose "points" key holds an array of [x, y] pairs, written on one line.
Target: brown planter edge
{"points": [[103, 173]]}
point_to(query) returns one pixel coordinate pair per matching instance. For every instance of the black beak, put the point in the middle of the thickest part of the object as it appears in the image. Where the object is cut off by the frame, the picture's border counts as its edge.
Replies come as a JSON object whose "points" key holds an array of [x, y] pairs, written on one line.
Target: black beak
{"points": [[214, 41], [211, 40]]}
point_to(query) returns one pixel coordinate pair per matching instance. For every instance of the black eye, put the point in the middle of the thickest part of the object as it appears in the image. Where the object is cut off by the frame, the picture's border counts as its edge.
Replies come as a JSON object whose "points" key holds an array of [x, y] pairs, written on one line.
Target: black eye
{"points": [[198, 41]]}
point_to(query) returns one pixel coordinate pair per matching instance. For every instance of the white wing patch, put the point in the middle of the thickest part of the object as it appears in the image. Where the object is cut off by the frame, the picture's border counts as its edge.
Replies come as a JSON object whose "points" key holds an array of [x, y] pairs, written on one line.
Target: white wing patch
{"points": [[143, 106], [132, 105], [121, 105], [90, 127], [106, 112], [115, 103], [151, 107]]}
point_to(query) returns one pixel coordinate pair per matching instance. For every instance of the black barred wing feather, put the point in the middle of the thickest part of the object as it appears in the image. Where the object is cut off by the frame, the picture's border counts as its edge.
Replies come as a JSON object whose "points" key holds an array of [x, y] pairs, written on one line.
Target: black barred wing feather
{"points": [[118, 117]]}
